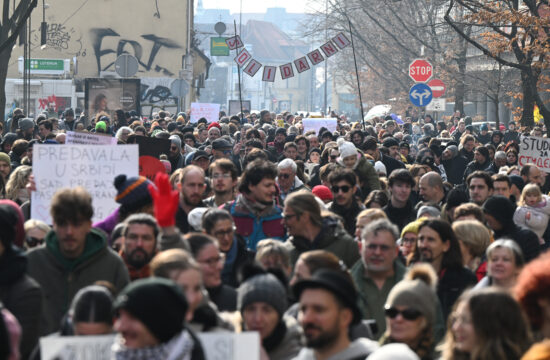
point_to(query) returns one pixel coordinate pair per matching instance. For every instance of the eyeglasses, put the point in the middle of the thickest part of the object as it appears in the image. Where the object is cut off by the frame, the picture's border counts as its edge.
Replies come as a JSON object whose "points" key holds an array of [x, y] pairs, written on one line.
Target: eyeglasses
{"points": [[32, 241], [221, 176], [407, 314], [288, 216], [345, 188], [221, 233], [214, 261], [284, 176], [408, 240]]}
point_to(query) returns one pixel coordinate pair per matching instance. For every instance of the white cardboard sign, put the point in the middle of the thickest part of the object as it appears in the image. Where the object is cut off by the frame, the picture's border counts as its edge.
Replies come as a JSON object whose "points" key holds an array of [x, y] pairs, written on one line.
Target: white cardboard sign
{"points": [[234, 42], [341, 40], [86, 138], [286, 71], [329, 49], [535, 150], [76, 347], [315, 57], [230, 346], [242, 58], [252, 67], [301, 64], [269, 73], [91, 167], [317, 123], [211, 112]]}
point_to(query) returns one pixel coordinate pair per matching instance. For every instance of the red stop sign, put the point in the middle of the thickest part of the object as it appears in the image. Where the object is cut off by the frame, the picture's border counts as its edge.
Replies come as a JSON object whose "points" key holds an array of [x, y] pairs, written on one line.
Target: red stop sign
{"points": [[420, 70], [438, 88]]}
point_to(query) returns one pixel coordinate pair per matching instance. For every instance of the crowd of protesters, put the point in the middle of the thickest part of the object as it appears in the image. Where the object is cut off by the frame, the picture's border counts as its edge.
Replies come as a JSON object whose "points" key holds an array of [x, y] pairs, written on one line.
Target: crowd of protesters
{"points": [[386, 239]]}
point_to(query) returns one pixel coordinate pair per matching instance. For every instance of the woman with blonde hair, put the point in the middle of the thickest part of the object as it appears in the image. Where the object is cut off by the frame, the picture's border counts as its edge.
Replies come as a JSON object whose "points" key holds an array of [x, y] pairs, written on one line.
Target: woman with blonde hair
{"points": [[474, 238], [16, 186]]}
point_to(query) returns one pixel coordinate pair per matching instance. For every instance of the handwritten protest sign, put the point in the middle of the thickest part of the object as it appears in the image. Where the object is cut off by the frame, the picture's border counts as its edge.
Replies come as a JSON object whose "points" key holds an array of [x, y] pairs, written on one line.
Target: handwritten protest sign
{"points": [[76, 347], [203, 110], [86, 138], [535, 150], [229, 346], [316, 124], [92, 167]]}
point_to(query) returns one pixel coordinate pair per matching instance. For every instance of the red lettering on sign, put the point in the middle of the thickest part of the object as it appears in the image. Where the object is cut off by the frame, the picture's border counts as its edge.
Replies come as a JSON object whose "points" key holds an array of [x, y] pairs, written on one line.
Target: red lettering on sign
{"points": [[329, 49], [315, 57], [301, 64]]}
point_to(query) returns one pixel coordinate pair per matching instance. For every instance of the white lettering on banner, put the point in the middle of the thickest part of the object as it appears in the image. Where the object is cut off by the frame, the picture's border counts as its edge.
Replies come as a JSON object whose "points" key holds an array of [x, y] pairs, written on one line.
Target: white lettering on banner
{"points": [[234, 42], [269, 73], [301, 64], [315, 57], [228, 346], [76, 347], [317, 123], [242, 58], [210, 112], [535, 150], [86, 138], [341, 40], [286, 71], [329, 49], [252, 67], [94, 168]]}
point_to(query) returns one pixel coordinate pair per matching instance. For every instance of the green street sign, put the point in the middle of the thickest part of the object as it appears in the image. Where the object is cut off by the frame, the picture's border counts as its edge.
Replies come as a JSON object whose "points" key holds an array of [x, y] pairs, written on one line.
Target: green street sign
{"points": [[218, 47], [45, 64]]}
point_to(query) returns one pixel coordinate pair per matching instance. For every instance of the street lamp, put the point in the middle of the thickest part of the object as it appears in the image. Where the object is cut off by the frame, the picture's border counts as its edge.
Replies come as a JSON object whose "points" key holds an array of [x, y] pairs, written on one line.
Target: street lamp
{"points": [[43, 27]]}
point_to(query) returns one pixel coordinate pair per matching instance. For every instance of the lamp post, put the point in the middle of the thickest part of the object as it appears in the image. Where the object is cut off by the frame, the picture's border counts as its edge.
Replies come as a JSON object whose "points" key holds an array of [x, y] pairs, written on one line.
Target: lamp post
{"points": [[43, 27]]}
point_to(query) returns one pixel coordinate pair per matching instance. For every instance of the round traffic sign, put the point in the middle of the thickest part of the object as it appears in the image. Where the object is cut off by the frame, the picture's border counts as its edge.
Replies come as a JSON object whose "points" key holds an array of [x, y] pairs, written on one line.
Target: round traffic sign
{"points": [[420, 95], [126, 65], [420, 70], [438, 87]]}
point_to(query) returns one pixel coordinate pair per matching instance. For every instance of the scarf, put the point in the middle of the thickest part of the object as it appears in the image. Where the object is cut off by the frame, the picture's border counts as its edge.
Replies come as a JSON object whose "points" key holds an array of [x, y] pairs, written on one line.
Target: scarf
{"points": [[179, 347], [256, 207]]}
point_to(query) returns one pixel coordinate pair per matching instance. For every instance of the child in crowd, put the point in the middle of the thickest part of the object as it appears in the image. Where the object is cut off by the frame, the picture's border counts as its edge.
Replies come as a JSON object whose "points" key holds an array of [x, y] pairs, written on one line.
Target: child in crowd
{"points": [[533, 210]]}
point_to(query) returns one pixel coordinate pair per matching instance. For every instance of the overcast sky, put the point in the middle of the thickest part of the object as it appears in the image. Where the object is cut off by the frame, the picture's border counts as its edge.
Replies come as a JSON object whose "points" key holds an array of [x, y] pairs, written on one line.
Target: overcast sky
{"points": [[260, 6]]}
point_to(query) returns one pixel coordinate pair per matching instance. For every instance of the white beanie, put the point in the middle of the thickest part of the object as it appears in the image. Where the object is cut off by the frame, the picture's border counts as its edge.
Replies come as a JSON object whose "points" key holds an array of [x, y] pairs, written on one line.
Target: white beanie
{"points": [[195, 218], [380, 167], [393, 352], [346, 148]]}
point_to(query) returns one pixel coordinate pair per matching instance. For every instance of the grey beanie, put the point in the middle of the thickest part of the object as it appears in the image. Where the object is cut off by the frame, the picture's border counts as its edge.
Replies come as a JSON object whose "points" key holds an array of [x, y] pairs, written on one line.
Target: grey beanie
{"points": [[175, 139], [453, 149], [262, 288], [26, 123], [430, 210]]}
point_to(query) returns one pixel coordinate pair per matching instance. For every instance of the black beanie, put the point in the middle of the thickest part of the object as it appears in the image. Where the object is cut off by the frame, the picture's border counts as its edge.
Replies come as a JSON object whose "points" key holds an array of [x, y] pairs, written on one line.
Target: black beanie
{"points": [[158, 303], [132, 193], [501, 208]]}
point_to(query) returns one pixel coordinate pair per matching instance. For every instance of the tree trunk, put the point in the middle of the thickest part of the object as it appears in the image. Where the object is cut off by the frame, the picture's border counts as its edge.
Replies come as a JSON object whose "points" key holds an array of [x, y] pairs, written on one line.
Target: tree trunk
{"points": [[4, 60], [527, 118], [460, 87], [497, 116]]}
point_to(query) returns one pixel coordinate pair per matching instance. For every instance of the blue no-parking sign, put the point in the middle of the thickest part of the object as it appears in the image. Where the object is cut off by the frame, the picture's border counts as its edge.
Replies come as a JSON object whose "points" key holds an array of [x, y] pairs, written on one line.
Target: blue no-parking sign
{"points": [[420, 94]]}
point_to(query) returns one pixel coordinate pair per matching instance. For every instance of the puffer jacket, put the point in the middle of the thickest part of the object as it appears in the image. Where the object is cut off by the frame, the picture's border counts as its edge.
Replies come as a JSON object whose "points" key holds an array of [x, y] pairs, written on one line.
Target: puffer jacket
{"points": [[534, 217], [332, 238]]}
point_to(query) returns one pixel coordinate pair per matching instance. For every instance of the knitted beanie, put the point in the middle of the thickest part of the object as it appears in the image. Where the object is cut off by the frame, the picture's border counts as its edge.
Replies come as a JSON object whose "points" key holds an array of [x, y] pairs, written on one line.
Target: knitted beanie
{"points": [[132, 193], [26, 123], [416, 291], [175, 139], [430, 210], [501, 208], [395, 351], [322, 192], [158, 303], [380, 167], [389, 142], [346, 148], [194, 218], [101, 126], [214, 124], [262, 288], [5, 158], [411, 227]]}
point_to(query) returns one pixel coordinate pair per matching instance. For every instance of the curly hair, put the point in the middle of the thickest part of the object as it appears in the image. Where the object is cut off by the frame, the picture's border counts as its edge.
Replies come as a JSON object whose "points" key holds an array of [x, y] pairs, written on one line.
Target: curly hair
{"points": [[17, 181]]}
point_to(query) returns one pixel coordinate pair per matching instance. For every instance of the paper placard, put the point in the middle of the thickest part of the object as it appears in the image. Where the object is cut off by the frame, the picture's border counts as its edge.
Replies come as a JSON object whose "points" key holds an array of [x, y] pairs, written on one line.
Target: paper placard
{"points": [[242, 58], [76, 347], [341, 40], [317, 123], [329, 49], [87, 138], [92, 167], [286, 71], [535, 150], [230, 346], [315, 57], [204, 110], [252, 67], [301, 64], [269, 73], [234, 42]]}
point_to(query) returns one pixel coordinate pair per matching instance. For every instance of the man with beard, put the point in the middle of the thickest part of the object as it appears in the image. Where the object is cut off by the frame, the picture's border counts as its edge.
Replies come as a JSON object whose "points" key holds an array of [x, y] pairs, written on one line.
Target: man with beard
{"points": [[140, 244], [438, 246], [223, 175], [327, 310], [343, 185], [191, 189], [254, 211]]}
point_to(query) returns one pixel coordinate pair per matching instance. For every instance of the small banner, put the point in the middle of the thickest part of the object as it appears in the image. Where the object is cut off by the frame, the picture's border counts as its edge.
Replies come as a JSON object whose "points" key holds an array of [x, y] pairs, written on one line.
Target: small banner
{"points": [[329, 49], [252, 67], [269, 73], [234, 42], [315, 57], [301, 64], [341, 41], [286, 71], [242, 58]]}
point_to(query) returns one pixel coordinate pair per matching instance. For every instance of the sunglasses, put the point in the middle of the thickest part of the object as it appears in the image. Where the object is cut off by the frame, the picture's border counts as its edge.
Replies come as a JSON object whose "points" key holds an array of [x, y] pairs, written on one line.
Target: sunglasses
{"points": [[32, 241], [335, 189], [408, 314]]}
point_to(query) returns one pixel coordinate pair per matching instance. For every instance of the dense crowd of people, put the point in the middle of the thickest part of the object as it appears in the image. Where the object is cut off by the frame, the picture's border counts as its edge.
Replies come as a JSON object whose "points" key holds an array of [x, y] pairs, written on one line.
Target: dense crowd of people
{"points": [[383, 239]]}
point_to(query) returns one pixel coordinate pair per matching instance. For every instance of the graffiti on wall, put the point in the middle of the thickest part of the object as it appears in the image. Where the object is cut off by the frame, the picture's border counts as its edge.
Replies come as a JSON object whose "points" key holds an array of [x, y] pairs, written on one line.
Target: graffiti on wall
{"points": [[104, 54], [61, 38], [156, 94], [55, 102]]}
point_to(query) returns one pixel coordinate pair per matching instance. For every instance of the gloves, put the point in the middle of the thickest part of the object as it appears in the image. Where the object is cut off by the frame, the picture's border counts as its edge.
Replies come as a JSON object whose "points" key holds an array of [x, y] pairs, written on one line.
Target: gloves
{"points": [[165, 200]]}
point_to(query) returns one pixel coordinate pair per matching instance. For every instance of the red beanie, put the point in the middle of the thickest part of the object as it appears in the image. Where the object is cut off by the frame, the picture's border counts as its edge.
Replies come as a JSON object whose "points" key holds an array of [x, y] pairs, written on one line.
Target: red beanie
{"points": [[322, 192], [214, 124]]}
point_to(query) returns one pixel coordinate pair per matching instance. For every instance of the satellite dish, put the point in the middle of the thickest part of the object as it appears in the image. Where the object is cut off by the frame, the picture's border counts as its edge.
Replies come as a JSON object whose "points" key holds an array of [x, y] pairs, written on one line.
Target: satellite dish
{"points": [[126, 65]]}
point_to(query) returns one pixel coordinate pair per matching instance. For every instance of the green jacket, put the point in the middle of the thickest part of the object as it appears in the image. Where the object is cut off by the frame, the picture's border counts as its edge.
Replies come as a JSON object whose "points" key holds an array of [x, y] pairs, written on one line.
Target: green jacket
{"points": [[61, 278], [368, 178], [332, 238], [371, 298]]}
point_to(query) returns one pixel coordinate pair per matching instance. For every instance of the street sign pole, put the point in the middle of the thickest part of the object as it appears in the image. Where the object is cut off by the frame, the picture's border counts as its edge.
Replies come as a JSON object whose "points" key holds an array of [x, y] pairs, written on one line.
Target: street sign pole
{"points": [[357, 76]]}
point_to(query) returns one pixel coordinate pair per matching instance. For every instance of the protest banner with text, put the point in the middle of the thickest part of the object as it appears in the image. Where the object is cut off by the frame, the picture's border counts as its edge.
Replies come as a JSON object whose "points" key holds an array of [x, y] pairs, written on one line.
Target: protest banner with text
{"points": [[317, 123], [91, 167], [211, 112], [76, 347], [86, 138], [227, 346], [535, 150]]}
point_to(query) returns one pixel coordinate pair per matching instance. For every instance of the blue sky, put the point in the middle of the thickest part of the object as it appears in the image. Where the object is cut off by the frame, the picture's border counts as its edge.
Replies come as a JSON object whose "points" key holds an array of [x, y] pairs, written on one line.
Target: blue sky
{"points": [[259, 6]]}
